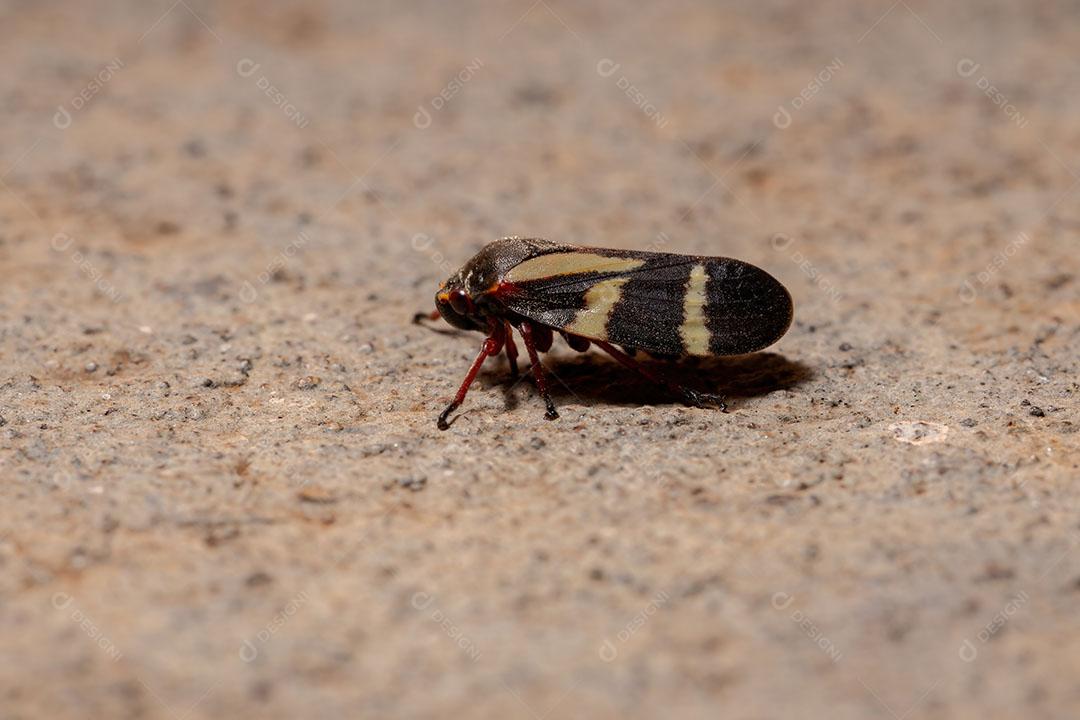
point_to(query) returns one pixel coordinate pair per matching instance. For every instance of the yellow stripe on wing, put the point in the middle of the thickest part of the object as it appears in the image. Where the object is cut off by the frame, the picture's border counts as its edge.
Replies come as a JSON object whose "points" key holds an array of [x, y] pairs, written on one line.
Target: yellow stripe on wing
{"points": [[694, 332], [591, 321], [570, 263]]}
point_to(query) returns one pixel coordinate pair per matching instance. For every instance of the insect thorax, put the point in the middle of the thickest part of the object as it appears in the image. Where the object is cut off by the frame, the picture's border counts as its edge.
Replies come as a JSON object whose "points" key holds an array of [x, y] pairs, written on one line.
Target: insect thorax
{"points": [[488, 266]]}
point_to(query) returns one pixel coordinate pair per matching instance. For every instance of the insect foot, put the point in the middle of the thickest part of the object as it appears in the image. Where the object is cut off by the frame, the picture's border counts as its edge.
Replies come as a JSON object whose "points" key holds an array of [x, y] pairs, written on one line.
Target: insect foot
{"points": [[704, 400]]}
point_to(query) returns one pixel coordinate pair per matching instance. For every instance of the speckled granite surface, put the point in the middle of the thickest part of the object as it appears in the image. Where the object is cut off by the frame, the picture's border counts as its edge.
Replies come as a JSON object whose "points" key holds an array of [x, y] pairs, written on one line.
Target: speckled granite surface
{"points": [[223, 492]]}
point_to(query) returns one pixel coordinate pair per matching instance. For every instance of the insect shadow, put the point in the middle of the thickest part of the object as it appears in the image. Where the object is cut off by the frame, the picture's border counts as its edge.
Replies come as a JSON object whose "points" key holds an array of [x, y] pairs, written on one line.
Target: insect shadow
{"points": [[592, 379]]}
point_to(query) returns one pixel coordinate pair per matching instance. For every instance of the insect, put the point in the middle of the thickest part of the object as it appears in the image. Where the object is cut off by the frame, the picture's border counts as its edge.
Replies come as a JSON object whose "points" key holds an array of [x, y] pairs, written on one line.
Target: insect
{"points": [[663, 304]]}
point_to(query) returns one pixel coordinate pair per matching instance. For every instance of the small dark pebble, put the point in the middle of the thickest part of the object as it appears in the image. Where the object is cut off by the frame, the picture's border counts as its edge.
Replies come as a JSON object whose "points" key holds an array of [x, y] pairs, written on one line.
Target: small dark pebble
{"points": [[845, 347], [317, 495], [258, 579], [262, 690], [416, 484], [536, 94], [195, 148], [1025, 403], [994, 571], [536, 443], [310, 156], [968, 422], [1037, 411], [1059, 280]]}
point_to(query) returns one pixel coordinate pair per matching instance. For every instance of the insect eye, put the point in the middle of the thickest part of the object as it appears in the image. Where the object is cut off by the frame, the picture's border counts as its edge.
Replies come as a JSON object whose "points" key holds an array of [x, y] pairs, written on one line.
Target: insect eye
{"points": [[461, 302]]}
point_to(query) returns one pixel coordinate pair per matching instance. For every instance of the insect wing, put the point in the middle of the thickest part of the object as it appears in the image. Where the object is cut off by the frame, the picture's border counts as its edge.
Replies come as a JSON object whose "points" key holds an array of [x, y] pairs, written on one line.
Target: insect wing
{"points": [[658, 302]]}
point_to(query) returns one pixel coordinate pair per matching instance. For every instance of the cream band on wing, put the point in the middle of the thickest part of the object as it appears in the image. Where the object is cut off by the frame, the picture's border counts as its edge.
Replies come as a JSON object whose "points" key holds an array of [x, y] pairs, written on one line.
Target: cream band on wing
{"points": [[694, 332], [569, 263], [591, 321]]}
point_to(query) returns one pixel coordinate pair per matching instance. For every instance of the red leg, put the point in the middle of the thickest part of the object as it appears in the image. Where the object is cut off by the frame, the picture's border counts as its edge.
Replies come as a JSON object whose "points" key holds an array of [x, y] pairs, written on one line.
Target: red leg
{"points": [[491, 346], [691, 397], [528, 333], [511, 351]]}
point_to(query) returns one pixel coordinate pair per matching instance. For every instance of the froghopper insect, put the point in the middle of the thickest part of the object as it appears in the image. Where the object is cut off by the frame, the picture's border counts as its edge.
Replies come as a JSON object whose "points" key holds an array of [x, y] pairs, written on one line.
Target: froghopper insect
{"points": [[663, 304]]}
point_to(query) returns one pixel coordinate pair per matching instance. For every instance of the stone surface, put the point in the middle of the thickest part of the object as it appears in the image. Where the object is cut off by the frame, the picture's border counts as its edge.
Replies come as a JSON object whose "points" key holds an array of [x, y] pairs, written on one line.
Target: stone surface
{"points": [[223, 491]]}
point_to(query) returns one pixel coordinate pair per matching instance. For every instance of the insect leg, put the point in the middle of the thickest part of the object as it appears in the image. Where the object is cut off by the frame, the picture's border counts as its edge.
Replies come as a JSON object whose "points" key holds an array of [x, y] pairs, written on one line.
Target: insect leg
{"points": [[491, 346], [528, 332], [511, 352], [691, 397]]}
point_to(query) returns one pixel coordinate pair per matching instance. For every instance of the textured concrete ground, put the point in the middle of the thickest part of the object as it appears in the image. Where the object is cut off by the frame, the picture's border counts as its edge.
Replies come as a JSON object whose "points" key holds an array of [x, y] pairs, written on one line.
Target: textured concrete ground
{"points": [[223, 492]]}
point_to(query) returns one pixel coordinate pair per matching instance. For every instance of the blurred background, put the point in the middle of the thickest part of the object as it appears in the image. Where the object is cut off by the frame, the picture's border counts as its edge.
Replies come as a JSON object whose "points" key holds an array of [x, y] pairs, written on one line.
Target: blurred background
{"points": [[222, 486]]}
